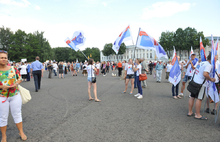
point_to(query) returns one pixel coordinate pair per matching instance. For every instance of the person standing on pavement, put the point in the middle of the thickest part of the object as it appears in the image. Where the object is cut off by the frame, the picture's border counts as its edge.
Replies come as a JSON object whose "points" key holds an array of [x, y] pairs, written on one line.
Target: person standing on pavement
{"points": [[159, 69], [10, 96], [138, 70], [91, 73], [37, 72], [23, 71], [167, 70], [55, 68], [60, 67], [50, 68], [129, 76], [201, 74], [144, 71], [151, 66], [28, 71], [190, 68], [119, 68]]}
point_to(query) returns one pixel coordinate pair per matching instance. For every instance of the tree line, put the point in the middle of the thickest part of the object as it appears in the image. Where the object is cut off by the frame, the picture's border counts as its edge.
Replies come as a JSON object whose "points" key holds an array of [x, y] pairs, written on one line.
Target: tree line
{"points": [[182, 39], [20, 45]]}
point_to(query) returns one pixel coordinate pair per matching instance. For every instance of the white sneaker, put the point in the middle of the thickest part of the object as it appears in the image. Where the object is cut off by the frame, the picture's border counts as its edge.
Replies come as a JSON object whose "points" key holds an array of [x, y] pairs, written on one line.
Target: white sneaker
{"points": [[137, 95], [181, 94], [140, 97]]}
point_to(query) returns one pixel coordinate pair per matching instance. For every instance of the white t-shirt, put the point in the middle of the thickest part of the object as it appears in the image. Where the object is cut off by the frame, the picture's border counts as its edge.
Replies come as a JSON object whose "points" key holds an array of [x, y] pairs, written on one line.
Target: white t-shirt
{"points": [[55, 66], [23, 70], [189, 70], [98, 66], [129, 69], [90, 70], [217, 68], [85, 67], [200, 69], [139, 69], [169, 66]]}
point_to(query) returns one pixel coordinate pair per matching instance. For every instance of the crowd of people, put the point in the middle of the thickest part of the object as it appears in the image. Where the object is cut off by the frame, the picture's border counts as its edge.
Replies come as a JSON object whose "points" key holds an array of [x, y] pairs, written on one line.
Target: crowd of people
{"points": [[13, 74]]}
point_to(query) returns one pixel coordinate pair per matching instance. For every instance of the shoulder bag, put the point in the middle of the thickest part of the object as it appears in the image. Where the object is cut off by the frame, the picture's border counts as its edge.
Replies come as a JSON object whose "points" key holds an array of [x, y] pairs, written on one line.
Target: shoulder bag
{"points": [[93, 78], [142, 77], [194, 87], [25, 94]]}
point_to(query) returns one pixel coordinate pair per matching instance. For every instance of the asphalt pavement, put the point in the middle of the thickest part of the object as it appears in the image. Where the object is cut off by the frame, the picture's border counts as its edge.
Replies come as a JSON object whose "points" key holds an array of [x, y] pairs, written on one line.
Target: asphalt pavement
{"points": [[61, 112]]}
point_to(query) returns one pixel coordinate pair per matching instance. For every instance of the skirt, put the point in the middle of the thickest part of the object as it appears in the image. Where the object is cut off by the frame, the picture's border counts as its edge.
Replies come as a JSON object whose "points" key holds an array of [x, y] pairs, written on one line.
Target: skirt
{"points": [[60, 71]]}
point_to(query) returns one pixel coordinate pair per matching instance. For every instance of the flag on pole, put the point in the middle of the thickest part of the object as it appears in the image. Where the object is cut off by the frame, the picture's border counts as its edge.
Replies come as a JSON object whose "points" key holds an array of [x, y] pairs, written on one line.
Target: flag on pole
{"points": [[124, 36], [191, 52], [174, 56], [71, 44], [175, 73], [145, 41], [77, 40], [202, 51], [212, 90], [216, 47]]}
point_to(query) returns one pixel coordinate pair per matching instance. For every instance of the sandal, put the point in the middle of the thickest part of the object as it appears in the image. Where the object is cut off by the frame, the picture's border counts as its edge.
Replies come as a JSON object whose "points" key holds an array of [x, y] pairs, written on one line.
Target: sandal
{"points": [[97, 100], [24, 138], [179, 97], [201, 118], [123, 92], [191, 115], [91, 99]]}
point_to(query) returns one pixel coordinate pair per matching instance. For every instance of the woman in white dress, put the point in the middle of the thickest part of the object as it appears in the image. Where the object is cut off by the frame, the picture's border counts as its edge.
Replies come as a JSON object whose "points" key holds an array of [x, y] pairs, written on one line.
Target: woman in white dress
{"points": [[23, 72]]}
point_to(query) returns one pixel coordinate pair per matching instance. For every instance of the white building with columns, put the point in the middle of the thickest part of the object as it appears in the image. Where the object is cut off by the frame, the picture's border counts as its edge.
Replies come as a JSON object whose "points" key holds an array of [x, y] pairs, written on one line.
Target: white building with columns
{"points": [[129, 53]]}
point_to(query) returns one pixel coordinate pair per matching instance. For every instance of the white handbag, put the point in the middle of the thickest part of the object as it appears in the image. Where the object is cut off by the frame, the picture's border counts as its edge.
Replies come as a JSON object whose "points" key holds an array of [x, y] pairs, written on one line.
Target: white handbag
{"points": [[25, 94]]}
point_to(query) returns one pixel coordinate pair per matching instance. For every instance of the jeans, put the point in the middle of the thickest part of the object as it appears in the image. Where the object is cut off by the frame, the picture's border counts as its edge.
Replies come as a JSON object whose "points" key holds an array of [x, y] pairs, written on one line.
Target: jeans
{"points": [[139, 85], [159, 75], [135, 80], [151, 69], [103, 71], [37, 79], [107, 69], [50, 72], [177, 89], [55, 73], [28, 76], [119, 71]]}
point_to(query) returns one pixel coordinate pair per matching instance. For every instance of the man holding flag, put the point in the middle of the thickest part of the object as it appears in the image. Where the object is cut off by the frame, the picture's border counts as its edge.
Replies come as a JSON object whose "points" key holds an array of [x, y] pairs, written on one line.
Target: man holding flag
{"points": [[201, 74], [190, 67]]}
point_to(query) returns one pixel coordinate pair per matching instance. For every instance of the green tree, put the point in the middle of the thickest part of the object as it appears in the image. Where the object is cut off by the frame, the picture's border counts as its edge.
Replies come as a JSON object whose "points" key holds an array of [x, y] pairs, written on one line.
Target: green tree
{"points": [[166, 41], [5, 38], [107, 51]]}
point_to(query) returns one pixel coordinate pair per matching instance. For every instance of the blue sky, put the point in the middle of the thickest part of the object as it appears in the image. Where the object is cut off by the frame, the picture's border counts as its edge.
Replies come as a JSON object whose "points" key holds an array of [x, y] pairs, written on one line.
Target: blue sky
{"points": [[103, 20]]}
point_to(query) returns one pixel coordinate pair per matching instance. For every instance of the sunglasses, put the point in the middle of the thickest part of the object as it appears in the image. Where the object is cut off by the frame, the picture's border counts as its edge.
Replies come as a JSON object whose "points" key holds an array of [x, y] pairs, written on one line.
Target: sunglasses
{"points": [[3, 51]]}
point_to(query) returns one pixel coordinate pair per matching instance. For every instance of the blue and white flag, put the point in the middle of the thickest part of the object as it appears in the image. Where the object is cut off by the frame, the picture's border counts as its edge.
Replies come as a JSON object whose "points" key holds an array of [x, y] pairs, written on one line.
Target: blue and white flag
{"points": [[212, 90], [124, 36], [77, 40], [175, 73], [145, 41]]}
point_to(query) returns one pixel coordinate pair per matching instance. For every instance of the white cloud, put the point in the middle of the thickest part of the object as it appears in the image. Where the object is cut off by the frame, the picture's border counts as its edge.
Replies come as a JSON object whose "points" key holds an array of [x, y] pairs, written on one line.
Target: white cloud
{"points": [[104, 3], [22, 3], [37, 7], [164, 9]]}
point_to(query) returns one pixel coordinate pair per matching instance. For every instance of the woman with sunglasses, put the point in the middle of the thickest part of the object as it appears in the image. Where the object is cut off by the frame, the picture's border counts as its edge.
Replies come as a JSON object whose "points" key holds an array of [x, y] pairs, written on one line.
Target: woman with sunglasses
{"points": [[10, 96]]}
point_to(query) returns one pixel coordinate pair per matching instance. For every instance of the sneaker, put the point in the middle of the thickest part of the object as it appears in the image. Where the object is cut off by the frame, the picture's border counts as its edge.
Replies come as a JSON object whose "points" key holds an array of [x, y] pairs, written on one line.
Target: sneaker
{"points": [[207, 110], [137, 95], [214, 112], [181, 94], [140, 97]]}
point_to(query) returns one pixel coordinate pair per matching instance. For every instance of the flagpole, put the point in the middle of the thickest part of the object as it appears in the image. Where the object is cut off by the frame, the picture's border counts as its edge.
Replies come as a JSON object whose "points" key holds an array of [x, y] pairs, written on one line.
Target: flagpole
{"points": [[136, 42], [84, 55]]}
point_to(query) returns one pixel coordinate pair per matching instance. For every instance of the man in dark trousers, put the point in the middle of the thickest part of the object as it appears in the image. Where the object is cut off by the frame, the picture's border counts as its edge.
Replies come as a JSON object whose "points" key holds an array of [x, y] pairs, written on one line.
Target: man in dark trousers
{"points": [[37, 72], [50, 68]]}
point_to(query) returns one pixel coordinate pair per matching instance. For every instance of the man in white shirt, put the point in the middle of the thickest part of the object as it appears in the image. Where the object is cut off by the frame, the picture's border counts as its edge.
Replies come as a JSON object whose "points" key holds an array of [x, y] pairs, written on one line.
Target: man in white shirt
{"points": [[201, 74], [168, 68], [55, 68], [190, 67]]}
